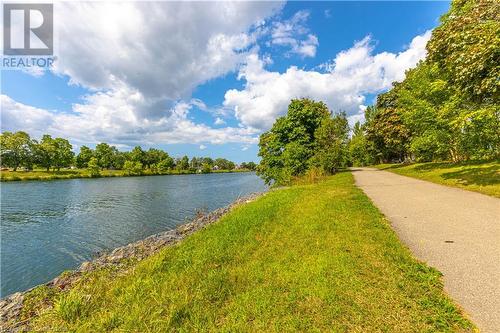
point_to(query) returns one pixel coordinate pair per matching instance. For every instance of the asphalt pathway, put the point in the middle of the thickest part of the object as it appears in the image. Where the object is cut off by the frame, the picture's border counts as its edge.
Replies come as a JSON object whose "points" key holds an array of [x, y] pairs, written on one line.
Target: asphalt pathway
{"points": [[453, 230]]}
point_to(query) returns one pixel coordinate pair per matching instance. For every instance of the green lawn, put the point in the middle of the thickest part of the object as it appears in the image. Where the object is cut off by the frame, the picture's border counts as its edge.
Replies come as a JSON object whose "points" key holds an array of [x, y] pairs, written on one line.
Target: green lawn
{"points": [[306, 258], [40, 174], [483, 177]]}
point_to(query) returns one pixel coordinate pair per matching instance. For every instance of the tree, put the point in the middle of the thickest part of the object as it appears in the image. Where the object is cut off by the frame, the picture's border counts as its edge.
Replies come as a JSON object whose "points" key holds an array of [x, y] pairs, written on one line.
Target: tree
{"points": [[206, 168], [183, 163], [119, 159], [83, 158], [104, 154], [360, 149], [208, 160], [165, 165], [331, 139], [249, 165], [195, 164], [16, 149], [288, 146], [138, 155], [45, 152], [386, 129], [153, 156], [466, 46], [447, 106], [224, 164], [133, 168], [93, 167], [63, 154]]}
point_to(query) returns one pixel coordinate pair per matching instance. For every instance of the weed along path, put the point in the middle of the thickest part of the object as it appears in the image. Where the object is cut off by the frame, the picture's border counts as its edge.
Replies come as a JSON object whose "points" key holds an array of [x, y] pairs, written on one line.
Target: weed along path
{"points": [[453, 230]]}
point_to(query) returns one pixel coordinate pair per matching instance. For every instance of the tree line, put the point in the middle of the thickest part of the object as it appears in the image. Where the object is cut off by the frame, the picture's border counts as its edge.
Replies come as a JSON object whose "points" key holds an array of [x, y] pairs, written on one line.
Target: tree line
{"points": [[18, 149], [447, 108]]}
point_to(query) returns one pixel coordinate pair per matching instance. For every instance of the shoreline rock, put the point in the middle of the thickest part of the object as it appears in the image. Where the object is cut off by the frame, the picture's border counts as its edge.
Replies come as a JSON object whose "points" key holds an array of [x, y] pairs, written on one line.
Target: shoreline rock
{"points": [[11, 306]]}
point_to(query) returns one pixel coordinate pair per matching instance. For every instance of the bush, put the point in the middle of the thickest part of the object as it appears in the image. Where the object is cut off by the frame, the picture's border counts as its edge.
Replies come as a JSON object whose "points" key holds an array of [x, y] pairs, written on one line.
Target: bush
{"points": [[132, 168], [93, 167]]}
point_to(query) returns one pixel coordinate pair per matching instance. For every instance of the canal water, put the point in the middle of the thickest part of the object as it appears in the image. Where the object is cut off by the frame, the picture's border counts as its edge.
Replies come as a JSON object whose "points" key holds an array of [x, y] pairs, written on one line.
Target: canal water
{"points": [[51, 226]]}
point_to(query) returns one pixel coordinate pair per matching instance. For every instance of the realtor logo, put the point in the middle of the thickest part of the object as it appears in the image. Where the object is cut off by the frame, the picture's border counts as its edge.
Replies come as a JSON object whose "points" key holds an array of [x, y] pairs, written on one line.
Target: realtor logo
{"points": [[28, 29]]}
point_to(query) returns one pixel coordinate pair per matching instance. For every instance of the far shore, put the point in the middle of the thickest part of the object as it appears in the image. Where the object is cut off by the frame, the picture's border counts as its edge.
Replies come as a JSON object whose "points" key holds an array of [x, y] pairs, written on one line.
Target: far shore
{"points": [[6, 176]]}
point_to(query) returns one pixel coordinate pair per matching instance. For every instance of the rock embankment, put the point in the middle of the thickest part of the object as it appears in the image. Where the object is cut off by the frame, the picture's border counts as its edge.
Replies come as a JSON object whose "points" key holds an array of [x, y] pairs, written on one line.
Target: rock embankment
{"points": [[11, 307]]}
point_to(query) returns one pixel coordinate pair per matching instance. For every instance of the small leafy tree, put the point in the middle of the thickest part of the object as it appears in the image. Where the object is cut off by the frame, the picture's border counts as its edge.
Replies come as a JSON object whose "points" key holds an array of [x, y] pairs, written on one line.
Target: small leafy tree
{"points": [[360, 149], [165, 165], [133, 168], [331, 144], [206, 168], [183, 163], [93, 167]]}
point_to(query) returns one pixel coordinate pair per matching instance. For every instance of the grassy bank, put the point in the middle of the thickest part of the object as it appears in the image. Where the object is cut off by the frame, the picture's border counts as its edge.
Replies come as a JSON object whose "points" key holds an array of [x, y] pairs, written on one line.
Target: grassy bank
{"points": [[305, 258], [483, 177], [83, 173]]}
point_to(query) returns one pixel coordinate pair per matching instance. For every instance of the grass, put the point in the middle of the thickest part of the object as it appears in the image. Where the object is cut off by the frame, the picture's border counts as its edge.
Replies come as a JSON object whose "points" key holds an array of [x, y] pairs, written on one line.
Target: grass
{"points": [[478, 176], [40, 174], [314, 257]]}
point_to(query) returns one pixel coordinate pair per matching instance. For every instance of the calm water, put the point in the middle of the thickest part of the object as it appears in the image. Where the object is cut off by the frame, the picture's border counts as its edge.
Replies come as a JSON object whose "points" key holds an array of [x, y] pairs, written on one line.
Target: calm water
{"points": [[49, 227]]}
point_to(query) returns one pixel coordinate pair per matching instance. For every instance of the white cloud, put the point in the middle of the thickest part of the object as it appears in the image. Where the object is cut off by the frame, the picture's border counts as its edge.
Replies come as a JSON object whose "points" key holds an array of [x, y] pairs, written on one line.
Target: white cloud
{"points": [[294, 34], [203, 147], [142, 64], [353, 73], [157, 51], [219, 121], [162, 49], [109, 118], [140, 61]]}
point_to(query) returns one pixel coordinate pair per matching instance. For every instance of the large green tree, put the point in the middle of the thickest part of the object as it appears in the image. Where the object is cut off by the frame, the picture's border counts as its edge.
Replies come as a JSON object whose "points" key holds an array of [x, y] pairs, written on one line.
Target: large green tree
{"points": [[63, 153], [286, 149], [16, 149], [84, 156], [104, 154], [45, 152], [467, 47]]}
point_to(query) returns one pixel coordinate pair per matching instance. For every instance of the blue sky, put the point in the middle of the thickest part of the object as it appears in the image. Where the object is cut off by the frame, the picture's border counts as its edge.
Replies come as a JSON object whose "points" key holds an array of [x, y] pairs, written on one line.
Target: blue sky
{"points": [[207, 81]]}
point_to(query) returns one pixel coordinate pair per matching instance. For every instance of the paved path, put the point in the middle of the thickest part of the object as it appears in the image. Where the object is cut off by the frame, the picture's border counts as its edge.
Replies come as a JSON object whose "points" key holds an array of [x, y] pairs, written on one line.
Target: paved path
{"points": [[453, 230]]}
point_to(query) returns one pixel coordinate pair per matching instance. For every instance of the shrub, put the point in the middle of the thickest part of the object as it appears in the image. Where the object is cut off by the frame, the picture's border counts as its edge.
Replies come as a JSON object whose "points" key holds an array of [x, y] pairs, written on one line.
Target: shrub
{"points": [[132, 168], [93, 167]]}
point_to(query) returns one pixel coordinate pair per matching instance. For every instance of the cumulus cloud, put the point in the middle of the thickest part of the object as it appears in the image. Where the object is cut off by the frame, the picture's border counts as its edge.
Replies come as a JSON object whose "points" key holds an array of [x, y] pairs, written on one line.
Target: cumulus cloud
{"points": [[152, 49], [341, 85], [140, 61], [104, 117], [162, 49], [219, 121], [294, 34]]}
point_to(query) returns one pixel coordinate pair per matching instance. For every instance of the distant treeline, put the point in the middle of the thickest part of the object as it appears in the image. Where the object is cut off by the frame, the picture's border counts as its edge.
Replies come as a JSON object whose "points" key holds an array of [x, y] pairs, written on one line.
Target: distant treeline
{"points": [[447, 108], [19, 150]]}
